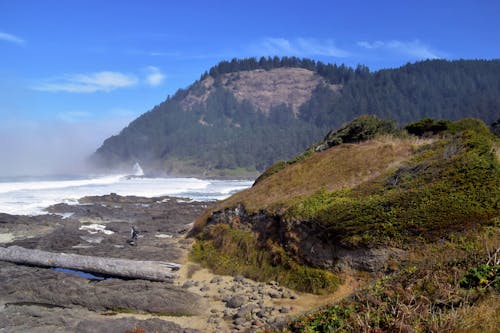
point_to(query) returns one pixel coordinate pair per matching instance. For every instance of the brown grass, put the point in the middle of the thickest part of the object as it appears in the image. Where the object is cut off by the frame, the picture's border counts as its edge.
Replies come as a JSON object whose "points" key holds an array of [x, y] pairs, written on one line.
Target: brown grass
{"points": [[339, 167]]}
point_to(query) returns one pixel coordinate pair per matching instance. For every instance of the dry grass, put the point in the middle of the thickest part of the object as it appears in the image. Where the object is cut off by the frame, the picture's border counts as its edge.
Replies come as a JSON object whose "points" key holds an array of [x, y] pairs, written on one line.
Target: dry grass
{"points": [[423, 297], [336, 168], [482, 317], [343, 166]]}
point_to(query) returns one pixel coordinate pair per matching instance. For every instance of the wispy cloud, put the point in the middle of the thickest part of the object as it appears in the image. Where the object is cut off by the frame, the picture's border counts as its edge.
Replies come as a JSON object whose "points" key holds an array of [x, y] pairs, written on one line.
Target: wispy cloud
{"points": [[299, 47], [164, 54], [11, 38], [154, 77], [74, 116], [415, 49], [105, 81]]}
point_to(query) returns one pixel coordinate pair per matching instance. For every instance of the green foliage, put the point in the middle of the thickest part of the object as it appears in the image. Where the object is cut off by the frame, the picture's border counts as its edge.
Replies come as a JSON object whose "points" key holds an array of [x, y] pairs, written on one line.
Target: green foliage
{"points": [[362, 128], [332, 72], [433, 88], [168, 134], [233, 251], [481, 277], [330, 319], [235, 135], [452, 184], [427, 125]]}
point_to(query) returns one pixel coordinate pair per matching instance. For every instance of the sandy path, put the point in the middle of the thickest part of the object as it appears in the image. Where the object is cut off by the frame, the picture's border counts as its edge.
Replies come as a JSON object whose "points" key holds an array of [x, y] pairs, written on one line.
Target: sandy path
{"points": [[217, 317]]}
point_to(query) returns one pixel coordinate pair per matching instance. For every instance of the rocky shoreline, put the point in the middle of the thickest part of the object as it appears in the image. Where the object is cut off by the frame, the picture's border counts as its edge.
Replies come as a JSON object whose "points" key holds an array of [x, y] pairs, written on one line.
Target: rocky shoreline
{"points": [[34, 299]]}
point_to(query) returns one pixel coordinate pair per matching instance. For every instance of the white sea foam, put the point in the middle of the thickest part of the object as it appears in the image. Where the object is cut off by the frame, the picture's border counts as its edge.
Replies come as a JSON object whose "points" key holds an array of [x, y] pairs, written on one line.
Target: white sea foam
{"points": [[32, 197], [6, 187], [95, 228]]}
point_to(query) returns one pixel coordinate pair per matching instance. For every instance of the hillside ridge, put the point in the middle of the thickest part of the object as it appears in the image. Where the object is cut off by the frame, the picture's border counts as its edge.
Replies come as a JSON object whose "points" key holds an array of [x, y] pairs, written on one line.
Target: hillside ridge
{"points": [[244, 115]]}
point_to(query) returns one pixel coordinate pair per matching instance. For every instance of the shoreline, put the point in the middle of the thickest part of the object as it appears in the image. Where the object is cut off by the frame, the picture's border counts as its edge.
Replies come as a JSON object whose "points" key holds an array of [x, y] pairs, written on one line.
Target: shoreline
{"points": [[197, 300]]}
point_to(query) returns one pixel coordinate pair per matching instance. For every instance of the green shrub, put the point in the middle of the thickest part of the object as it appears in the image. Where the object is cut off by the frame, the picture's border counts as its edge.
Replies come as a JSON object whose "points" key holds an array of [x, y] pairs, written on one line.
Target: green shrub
{"points": [[482, 276], [232, 251], [452, 184], [330, 319], [427, 125], [363, 128]]}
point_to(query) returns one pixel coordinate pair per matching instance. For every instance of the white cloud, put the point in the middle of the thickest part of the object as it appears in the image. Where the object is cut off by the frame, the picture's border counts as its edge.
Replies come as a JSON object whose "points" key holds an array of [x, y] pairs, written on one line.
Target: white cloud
{"points": [[154, 77], [11, 38], [299, 47], [416, 49], [88, 83]]}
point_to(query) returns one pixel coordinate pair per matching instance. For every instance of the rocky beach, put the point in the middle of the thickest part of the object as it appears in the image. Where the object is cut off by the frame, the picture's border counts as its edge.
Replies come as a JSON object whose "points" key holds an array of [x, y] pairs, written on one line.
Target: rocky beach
{"points": [[38, 299]]}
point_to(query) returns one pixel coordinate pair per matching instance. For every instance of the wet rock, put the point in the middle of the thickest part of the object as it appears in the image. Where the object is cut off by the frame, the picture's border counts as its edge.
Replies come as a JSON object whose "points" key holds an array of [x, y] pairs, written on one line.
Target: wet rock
{"points": [[129, 324], [22, 284], [42, 318]]}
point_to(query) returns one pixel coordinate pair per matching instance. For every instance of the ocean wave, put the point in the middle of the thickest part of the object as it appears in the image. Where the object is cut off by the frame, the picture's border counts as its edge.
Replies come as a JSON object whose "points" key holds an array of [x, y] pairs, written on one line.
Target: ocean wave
{"points": [[32, 197]]}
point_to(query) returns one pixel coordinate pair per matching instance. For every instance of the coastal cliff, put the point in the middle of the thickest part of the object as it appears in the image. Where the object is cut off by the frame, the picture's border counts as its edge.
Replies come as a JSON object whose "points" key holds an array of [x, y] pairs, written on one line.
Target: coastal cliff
{"points": [[382, 205]]}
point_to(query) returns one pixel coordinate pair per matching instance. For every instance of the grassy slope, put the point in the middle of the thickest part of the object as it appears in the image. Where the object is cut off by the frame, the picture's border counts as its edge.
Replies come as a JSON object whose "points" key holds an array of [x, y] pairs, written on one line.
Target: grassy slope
{"points": [[334, 169], [452, 285], [386, 191]]}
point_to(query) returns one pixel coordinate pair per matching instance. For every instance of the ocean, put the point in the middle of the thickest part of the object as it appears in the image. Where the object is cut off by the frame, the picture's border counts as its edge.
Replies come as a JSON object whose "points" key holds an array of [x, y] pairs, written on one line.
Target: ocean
{"points": [[30, 196]]}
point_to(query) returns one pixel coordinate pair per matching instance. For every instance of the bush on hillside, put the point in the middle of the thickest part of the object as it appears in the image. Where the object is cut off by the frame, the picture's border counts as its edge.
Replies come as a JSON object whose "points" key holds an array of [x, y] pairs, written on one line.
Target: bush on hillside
{"points": [[363, 128], [427, 126]]}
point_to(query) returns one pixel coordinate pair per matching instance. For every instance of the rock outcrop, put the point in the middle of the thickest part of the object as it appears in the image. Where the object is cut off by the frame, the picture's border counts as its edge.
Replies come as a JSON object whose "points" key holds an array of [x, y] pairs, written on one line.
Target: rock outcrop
{"points": [[306, 241]]}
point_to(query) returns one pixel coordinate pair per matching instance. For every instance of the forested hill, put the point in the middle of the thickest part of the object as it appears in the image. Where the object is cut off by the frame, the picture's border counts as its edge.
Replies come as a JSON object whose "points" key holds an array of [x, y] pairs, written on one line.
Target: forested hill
{"points": [[243, 115]]}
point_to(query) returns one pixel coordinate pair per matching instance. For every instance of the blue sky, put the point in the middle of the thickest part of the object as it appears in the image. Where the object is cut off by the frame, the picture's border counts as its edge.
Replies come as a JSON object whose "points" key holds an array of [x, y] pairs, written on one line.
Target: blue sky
{"points": [[75, 72]]}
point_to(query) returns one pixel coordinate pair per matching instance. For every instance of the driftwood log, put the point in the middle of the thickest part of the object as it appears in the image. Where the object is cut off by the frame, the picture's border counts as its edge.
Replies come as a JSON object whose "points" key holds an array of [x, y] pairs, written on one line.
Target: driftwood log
{"points": [[133, 269]]}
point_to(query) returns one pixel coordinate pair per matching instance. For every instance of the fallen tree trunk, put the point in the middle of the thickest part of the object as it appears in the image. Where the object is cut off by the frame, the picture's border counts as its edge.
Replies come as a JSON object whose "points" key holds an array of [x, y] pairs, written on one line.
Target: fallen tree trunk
{"points": [[134, 269]]}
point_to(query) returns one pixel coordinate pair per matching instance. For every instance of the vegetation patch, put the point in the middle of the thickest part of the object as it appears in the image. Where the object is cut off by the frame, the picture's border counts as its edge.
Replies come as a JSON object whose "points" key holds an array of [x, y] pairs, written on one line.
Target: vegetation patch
{"points": [[425, 296], [427, 126], [452, 184], [482, 276], [339, 167], [363, 128], [232, 251]]}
